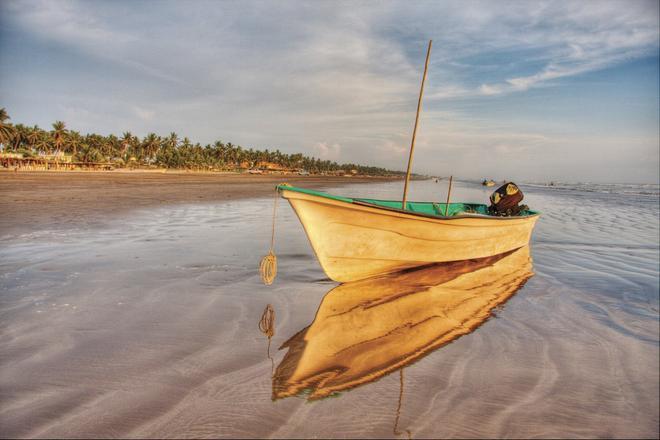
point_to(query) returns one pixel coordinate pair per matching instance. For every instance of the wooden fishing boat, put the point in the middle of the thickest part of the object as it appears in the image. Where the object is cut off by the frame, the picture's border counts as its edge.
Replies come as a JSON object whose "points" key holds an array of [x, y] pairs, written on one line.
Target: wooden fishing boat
{"points": [[365, 330], [360, 238], [356, 238]]}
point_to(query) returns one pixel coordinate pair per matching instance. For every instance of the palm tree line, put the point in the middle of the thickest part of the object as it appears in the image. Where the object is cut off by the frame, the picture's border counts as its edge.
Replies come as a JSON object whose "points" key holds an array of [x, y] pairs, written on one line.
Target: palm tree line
{"points": [[153, 150]]}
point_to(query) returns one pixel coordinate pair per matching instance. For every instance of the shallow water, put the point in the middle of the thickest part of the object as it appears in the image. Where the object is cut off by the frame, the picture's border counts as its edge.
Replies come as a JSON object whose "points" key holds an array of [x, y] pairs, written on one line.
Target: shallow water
{"points": [[148, 327]]}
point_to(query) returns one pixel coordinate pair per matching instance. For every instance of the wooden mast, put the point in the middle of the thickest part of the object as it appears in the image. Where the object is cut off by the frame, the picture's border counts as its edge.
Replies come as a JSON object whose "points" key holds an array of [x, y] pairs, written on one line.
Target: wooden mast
{"points": [[412, 144], [448, 195]]}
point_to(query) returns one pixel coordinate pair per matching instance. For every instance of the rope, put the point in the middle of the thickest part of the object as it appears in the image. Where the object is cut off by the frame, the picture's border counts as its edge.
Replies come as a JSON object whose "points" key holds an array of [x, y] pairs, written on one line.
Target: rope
{"points": [[267, 322], [268, 268], [398, 408], [272, 235], [267, 327], [268, 265]]}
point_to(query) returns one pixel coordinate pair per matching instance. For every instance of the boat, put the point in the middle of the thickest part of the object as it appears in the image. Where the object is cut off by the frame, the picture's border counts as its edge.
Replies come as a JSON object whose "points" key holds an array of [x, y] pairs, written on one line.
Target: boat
{"points": [[355, 238], [358, 238], [488, 182], [365, 330]]}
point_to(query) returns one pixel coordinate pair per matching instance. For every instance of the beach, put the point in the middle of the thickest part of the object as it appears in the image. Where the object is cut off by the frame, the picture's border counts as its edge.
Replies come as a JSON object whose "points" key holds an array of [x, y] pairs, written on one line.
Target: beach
{"points": [[34, 200], [336, 220], [131, 306]]}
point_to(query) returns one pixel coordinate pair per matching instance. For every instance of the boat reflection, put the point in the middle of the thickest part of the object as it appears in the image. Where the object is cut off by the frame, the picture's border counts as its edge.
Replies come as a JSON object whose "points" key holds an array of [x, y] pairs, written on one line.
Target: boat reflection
{"points": [[367, 329]]}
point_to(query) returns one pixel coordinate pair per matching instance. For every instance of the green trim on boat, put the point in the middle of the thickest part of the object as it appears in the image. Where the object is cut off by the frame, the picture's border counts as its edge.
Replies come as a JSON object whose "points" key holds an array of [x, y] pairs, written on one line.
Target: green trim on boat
{"points": [[426, 208], [282, 186]]}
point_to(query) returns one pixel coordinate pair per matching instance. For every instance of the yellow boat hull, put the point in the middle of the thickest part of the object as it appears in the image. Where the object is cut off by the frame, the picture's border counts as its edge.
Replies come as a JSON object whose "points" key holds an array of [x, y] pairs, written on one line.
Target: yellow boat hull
{"points": [[353, 241]]}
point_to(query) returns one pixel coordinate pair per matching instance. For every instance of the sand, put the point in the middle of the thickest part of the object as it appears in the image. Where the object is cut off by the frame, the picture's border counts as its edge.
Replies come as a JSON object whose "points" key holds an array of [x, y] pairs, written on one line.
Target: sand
{"points": [[37, 200], [146, 325]]}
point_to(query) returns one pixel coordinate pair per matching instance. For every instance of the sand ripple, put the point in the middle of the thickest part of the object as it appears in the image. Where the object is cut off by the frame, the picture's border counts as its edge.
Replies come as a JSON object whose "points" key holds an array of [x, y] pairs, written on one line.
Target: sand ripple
{"points": [[148, 327]]}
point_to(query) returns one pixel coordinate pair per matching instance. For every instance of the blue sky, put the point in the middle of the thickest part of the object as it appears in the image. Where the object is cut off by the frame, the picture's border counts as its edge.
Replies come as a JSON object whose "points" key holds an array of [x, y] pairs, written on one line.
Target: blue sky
{"points": [[522, 90]]}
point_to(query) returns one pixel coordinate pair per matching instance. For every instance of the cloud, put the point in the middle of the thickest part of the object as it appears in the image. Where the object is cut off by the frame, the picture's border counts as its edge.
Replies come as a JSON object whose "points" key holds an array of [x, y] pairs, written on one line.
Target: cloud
{"points": [[84, 26], [342, 53], [326, 151], [553, 39], [144, 114], [396, 149], [488, 90], [335, 79]]}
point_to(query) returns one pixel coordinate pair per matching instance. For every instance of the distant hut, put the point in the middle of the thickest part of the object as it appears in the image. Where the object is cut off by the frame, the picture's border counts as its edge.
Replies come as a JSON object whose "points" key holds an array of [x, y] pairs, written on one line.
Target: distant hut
{"points": [[271, 167]]}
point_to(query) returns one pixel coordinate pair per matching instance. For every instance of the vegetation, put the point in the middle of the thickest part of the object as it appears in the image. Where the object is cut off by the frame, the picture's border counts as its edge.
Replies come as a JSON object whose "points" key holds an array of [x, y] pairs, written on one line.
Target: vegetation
{"points": [[156, 151]]}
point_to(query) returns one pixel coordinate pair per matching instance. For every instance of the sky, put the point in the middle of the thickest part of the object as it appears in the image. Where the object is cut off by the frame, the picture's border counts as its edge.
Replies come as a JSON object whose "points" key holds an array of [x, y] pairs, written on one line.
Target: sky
{"points": [[520, 90]]}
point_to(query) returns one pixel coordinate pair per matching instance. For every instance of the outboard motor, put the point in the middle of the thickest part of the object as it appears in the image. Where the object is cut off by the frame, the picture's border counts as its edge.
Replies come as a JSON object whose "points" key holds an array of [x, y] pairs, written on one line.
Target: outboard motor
{"points": [[504, 202]]}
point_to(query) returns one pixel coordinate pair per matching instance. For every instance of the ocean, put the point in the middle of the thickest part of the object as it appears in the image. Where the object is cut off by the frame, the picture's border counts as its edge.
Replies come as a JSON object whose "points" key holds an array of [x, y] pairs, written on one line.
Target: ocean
{"points": [[148, 326]]}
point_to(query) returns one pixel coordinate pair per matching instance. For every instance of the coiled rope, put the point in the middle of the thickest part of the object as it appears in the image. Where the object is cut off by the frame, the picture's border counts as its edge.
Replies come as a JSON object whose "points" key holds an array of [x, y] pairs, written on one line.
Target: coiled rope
{"points": [[268, 266]]}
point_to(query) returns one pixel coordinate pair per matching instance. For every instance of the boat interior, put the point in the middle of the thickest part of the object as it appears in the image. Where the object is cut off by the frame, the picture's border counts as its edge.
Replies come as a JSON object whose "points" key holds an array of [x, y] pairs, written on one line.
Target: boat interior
{"points": [[433, 209]]}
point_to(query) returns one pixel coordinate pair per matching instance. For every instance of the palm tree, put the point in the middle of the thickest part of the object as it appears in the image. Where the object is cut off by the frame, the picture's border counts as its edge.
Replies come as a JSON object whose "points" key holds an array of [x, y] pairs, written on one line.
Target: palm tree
{"points": [[110, 146], [89, 154], [150, 144], [43, 143], [59, 134], [6, 129], [173, 140], [168, 151], [33, 136], [126, 141], [74, 142], [20, 136]]}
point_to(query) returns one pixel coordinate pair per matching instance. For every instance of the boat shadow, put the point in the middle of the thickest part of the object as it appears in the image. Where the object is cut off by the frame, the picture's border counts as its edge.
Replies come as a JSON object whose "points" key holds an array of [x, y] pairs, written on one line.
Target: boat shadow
{"points": [[368, 329]]}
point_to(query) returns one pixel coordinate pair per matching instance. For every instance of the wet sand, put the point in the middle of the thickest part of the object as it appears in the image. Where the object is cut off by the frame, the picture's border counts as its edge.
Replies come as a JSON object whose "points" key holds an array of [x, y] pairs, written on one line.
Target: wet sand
{"points": [[148, 327], [37, 200]]}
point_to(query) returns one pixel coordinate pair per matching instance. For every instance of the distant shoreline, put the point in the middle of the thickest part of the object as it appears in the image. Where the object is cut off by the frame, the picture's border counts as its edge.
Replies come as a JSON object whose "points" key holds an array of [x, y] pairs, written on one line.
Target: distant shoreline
{"points": [[46, 200], [197, 171]]}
